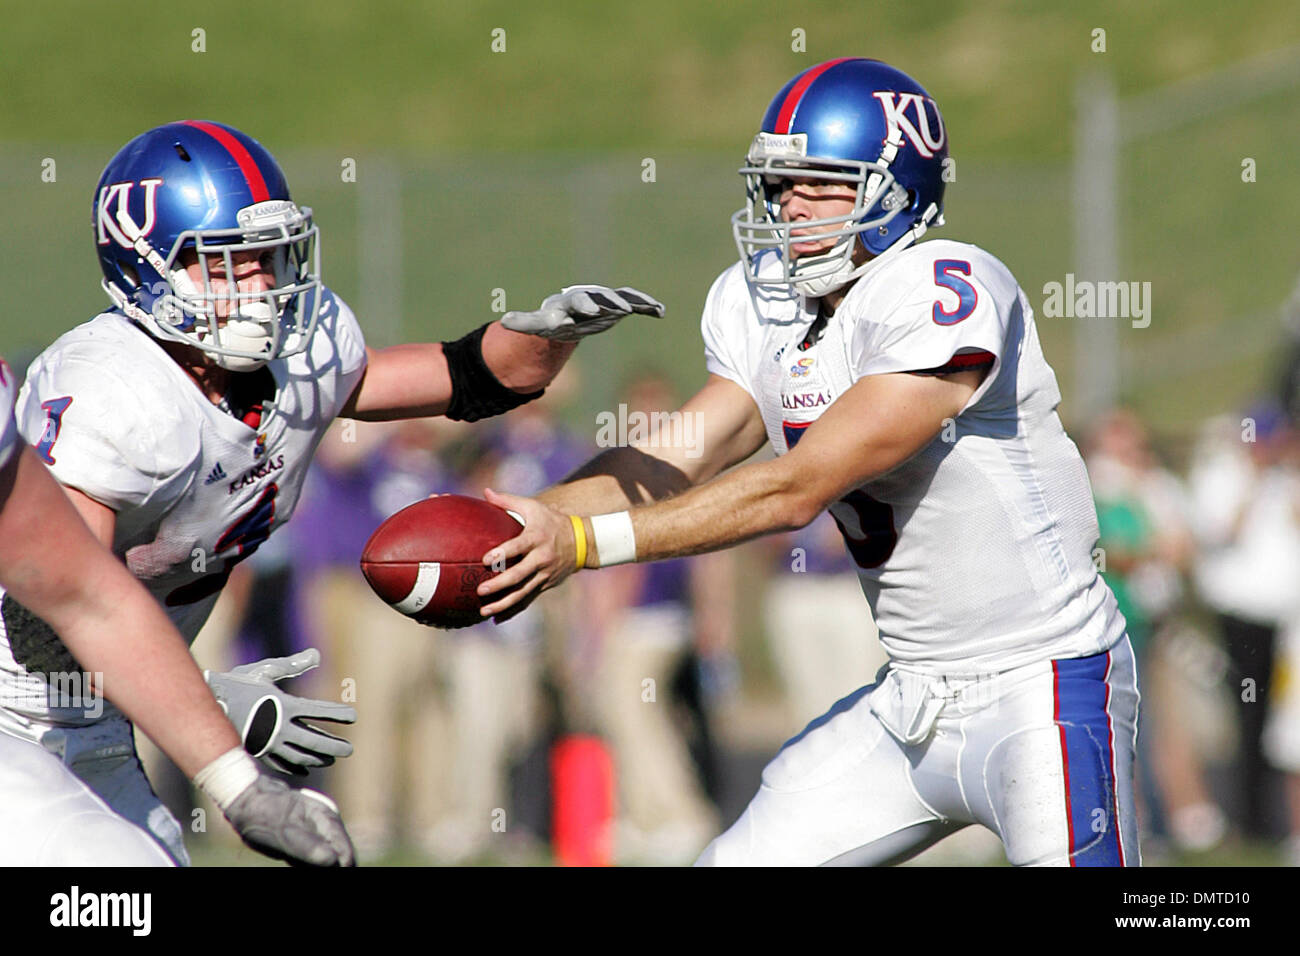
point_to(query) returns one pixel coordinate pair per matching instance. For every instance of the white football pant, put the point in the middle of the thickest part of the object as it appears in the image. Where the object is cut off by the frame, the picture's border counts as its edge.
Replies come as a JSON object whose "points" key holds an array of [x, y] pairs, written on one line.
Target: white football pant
{"points": [[1041, 755], [84, 801]]}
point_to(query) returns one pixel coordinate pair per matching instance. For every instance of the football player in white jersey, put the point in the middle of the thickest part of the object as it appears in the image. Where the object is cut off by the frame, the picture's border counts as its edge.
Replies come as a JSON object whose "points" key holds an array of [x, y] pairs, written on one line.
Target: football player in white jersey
{"points": [[902, 386], [52, 564], [181, 424]]}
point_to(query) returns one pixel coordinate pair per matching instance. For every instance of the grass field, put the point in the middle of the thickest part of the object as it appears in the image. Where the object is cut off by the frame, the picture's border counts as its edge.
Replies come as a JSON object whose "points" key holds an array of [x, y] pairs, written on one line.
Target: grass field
{"points": [[980, 851], [583, 75], [521, 170]]}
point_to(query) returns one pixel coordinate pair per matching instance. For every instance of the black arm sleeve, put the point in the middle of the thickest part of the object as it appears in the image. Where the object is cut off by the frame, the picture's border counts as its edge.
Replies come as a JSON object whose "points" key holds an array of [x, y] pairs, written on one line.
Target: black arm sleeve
{"points": [[475, 391]]}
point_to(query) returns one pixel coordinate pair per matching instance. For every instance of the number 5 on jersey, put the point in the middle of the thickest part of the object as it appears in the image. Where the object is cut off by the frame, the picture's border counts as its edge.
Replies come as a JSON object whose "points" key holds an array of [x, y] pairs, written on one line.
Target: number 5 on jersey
{"points": [[967, 297]]}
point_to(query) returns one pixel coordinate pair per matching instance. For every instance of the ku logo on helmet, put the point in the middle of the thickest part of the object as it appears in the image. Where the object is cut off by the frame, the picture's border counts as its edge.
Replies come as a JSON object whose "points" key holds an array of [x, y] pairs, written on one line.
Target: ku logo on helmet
{"points": [[895, 106], [114, 201]]}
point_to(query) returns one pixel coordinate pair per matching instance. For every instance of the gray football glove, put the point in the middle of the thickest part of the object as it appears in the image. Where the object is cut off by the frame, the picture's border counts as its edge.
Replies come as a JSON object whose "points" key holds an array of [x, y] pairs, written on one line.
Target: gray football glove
{"points": [[301, 827], [270, 722], [581, 310]]}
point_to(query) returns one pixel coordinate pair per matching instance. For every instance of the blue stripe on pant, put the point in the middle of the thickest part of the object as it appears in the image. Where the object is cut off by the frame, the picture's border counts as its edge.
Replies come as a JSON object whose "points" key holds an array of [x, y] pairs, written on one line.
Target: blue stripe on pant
{"points": [[1083, 690]]}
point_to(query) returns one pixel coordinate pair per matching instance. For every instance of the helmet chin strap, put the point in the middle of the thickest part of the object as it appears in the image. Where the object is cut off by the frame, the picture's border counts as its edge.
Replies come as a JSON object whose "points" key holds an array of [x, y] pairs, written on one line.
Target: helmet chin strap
{"points": [[821, 285], [247, 332], [824, 285]]}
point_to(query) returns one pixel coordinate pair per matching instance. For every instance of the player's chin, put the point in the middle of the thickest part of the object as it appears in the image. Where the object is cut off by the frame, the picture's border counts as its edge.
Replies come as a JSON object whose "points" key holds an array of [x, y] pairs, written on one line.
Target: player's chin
{"points": [[800, 249]]}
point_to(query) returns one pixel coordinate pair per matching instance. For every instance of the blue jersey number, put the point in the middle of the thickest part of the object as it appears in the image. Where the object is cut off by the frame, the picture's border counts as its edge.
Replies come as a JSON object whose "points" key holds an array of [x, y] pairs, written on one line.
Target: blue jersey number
{"points": [[54, 410], [247, 534], [252, 529], [967, 297]]}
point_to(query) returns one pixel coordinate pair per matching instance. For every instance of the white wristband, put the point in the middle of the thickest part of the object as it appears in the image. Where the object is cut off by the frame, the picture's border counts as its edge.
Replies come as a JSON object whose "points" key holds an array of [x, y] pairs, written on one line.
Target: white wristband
{"points": [[615, 540], [227, 777]]}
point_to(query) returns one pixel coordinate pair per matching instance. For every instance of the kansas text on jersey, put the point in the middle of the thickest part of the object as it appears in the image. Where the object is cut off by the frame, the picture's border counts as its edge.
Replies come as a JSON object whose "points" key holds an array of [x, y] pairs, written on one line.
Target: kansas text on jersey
{"points": [[975, 554], [195, 489]]}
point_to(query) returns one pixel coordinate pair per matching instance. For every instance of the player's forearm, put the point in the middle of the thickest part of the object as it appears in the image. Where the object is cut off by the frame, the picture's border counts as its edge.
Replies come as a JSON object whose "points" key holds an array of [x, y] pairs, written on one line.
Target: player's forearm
{"points": [[113, 627], [748, 502], [523, 363], [616, 479], [413, 380], [401, 381], [149, 675], [106, 619]]}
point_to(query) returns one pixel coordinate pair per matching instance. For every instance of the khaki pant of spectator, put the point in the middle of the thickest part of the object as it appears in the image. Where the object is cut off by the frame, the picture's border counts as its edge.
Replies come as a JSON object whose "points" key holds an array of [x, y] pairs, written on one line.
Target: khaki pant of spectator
{"points": [[492, 693], [385, 665], [664, 815], [822, 639]]}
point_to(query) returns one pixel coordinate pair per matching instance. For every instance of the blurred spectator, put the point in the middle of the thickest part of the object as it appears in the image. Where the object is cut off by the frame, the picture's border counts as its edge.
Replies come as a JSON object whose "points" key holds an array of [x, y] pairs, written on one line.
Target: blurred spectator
{"points": [[661, 624], [1246, 489], [494, 673], [1289, 386], [1146, 538], [1282, 732], [819, 625], [666, 634], [373, 657]]}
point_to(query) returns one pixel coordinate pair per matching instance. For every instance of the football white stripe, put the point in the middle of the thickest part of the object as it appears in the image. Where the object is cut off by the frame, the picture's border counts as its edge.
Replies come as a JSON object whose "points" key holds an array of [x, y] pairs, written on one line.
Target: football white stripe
{"points": [[426, 582]]}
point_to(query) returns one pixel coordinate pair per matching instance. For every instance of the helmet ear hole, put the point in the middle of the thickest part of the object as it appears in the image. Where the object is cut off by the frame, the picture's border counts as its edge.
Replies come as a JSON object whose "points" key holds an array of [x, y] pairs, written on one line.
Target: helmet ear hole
{"points": [[131, 276]]}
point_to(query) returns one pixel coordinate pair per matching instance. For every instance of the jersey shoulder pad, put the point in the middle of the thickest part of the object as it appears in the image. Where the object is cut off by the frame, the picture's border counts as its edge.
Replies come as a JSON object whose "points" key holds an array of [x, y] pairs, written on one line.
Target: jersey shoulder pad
{"points": [[338, 339], [941, 279], [938, 307], [9, 437], [725, 324], [336, 358], [102, 409]]}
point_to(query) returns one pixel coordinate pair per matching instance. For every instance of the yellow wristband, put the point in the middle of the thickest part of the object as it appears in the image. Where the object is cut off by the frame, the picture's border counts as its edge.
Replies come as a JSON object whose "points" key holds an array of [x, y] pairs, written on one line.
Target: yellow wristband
{"points": [[580, 539]]}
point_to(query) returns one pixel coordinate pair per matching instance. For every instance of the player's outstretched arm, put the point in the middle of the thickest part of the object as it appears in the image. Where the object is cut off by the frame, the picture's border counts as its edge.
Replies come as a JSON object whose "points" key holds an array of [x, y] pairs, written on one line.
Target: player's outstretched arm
{"points": [[719, 426], [876, 425], [53, 565], [494, 368]]}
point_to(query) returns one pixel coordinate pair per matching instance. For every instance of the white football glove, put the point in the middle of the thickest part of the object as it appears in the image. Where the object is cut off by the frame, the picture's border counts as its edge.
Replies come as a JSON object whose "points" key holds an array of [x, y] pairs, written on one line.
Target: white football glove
{"points": [[581, 310], [270, 722], [301, 827]]}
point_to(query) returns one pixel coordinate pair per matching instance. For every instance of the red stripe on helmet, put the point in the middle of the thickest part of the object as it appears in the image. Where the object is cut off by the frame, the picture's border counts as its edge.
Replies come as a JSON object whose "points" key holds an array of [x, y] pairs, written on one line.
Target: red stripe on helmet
{"points": [[797, 91], [241, 156]]}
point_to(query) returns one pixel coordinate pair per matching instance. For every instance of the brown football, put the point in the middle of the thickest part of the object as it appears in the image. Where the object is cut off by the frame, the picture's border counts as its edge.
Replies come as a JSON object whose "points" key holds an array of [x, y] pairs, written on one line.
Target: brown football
{"points": [[427, 559]]}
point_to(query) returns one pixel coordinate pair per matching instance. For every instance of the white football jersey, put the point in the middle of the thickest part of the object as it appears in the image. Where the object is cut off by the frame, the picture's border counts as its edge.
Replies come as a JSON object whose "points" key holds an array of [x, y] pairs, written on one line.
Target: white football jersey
{"points": [[195, 489], [8, 430], [975, 554]]}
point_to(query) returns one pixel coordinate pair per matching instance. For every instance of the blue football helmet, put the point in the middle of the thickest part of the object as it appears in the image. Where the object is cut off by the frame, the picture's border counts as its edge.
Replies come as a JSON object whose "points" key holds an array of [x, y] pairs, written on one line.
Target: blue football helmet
{"points": [[854, 121], [188, 191]]}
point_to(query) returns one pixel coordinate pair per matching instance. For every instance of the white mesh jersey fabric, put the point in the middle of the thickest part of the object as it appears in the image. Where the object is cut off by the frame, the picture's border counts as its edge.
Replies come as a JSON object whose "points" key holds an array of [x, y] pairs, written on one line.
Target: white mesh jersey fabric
{"points": [[8, 427], [195, 489], [976, 554]]}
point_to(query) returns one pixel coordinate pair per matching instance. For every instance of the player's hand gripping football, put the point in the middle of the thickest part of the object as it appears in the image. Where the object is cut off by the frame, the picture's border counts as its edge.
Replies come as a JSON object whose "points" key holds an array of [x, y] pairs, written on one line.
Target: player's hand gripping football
{"points": [[270, 722], [301, 827], [549, 552], [581, 310]]}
